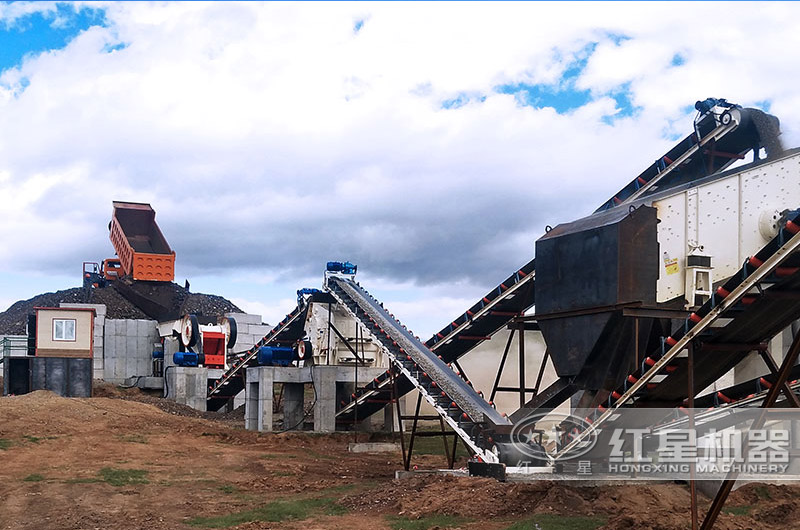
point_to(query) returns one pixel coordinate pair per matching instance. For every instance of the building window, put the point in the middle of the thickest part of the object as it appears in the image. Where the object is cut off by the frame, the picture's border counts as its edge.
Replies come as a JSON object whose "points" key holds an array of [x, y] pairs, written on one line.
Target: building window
{"points": [[64, 329]]}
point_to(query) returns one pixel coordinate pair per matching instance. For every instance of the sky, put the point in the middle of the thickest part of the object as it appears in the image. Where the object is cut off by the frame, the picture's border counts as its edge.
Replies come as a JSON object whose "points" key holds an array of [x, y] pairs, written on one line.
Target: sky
{"points": [[429, 143]]}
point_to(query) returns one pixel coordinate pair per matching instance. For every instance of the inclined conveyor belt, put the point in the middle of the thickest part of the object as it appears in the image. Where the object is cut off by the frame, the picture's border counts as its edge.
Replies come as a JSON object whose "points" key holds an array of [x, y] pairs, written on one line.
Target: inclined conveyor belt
{"points": [[511, 298], [453, 398], [290, 329]]}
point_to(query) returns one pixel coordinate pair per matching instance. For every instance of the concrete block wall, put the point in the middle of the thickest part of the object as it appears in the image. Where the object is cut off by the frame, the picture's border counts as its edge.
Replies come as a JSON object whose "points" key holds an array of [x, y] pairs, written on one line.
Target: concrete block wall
{"points": [[128, 349], [99, 336], [249, 329]]}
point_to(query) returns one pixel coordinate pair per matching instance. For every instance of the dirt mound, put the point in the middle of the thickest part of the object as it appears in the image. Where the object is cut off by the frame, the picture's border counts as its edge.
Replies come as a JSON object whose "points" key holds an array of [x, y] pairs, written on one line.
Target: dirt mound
{"points": [[107, 390], [50, 413], [177, 299], [472, 497], [646, 506]]}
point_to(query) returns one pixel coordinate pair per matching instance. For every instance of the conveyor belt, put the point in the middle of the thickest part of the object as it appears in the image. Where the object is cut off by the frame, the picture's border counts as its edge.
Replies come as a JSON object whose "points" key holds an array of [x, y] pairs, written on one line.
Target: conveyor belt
{"points": [[709, 150], [751, 307], [453, 398], [290, 329], [511, 298], [492, 312]]}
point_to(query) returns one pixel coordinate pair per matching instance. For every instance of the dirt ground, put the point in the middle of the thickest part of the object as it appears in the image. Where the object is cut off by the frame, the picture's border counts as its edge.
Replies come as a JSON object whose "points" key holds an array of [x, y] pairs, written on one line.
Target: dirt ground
{"points": [[132, 461]]}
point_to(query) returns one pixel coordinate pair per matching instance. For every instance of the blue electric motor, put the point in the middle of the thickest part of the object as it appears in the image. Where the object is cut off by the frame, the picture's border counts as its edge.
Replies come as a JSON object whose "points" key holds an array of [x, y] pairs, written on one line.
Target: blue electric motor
{"points": [[188, 358], [276, 356], [304, 291], [343, 267]]}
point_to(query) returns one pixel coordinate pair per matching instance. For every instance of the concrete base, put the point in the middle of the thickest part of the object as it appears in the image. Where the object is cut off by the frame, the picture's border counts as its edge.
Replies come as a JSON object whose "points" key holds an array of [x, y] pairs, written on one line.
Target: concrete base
{"points": [[293, 394], [259, 382], [188, 386], [151, 383], [374, 447]]}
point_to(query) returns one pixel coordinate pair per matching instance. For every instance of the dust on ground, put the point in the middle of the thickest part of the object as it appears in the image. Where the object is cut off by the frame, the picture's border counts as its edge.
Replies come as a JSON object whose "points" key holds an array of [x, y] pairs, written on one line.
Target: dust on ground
{"points": [[129, 460]]}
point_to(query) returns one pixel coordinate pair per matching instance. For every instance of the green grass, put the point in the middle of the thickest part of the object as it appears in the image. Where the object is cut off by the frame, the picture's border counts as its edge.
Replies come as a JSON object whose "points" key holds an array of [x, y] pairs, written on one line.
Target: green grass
{"points": [[227, 488], [134, 438], [83, 480], [5, 443], [34, 477], [559, 522], [123, 477], [274, 512], [33, 439], [433, 445], [737, 510], [762, 492], [424, 523]]}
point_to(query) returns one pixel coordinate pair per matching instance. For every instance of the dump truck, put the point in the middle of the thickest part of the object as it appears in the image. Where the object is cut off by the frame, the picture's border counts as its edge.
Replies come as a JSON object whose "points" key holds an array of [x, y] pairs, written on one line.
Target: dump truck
{"points": [[144, 253]]}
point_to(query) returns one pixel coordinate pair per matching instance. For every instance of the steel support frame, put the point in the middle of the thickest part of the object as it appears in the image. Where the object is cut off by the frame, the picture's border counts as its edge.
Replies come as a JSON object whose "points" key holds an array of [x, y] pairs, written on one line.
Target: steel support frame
{"points": [[522, 389], [752, 280], [772, 396], [407, 451]]}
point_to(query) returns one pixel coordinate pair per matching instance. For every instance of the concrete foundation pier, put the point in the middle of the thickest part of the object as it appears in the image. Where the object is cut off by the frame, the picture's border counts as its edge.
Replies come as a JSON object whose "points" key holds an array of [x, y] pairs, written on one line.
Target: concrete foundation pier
{"points": [[260, 380], [188, 386]]}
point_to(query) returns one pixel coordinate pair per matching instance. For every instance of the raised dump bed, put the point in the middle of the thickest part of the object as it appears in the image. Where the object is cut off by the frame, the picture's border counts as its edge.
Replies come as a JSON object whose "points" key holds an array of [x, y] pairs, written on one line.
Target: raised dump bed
{"points": [[140, 245]]}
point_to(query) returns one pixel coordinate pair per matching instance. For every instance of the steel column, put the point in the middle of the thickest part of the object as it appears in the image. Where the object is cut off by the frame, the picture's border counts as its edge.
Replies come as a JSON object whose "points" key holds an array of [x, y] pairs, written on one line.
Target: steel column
{"points": [[502, 365], [521, 339]]}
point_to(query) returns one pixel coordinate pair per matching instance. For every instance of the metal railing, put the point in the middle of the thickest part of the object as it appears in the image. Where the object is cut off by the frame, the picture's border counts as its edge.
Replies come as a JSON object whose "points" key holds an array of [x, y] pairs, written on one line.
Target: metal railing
{"points": [[12, 344]]}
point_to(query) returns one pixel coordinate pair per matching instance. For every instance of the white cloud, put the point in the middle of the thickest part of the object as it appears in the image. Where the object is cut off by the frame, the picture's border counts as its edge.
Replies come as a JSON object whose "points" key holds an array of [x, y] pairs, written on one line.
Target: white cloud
{"points": [[271, 137]]}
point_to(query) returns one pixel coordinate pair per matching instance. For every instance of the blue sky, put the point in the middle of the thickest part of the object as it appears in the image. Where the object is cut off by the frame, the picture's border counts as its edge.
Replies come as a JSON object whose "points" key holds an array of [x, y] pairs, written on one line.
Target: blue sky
{"points": [[430, 143], [40, 32]]}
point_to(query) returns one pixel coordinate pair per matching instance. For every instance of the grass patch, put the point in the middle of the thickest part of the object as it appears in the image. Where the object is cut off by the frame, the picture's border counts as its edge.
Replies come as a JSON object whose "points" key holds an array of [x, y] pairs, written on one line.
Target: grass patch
{"points": [[274, 512], [33, 439], [34, 477], [134, 439], [737, 510], [559, 522], [227, 488], [83, 480], [762, 492], [5, 443], [282, 474], [123, 477], [424, 523], [321, 455], [433, 445]]}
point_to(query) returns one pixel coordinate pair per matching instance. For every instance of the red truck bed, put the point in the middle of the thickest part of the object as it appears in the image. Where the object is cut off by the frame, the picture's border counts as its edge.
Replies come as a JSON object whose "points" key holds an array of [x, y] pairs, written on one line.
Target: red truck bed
{"points": [[140, 245]]}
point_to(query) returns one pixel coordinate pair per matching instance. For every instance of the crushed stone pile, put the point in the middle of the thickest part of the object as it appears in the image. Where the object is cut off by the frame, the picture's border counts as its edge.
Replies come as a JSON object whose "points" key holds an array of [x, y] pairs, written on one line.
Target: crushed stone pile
{"points": [[177, 299]]}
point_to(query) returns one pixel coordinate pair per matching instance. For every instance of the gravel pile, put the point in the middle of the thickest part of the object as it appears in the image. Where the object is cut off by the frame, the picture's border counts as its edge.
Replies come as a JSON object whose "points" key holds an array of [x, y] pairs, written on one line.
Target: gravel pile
{"points": [[179, 299]]}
